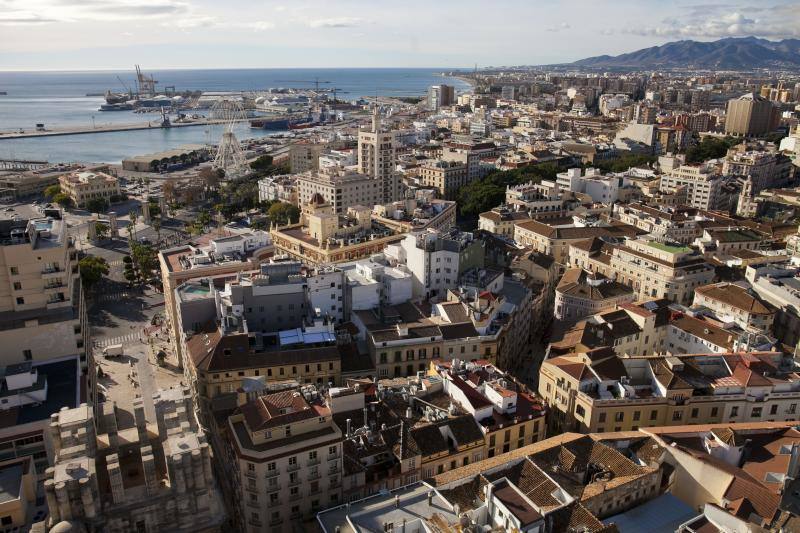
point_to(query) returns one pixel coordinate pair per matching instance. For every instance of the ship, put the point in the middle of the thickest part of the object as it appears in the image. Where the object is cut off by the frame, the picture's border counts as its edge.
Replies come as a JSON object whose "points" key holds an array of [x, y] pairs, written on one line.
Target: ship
{"points": [[116, 98], [272, 124], [121, 106]]}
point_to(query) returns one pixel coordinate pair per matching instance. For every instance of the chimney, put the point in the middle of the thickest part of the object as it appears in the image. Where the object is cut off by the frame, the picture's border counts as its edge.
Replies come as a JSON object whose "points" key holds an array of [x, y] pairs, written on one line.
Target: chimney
{"points": [[348, 429], [430, 498]]}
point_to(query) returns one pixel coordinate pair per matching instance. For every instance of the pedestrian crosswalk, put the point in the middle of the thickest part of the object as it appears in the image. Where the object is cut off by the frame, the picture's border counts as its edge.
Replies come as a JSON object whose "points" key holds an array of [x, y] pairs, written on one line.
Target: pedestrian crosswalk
{"points": [[115, 296], [115, 263], [133, 336]]}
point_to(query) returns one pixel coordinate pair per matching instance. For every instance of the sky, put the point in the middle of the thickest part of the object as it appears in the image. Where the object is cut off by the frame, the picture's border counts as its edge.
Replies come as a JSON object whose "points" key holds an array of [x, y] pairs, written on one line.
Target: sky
{"points": [[115, 34]]}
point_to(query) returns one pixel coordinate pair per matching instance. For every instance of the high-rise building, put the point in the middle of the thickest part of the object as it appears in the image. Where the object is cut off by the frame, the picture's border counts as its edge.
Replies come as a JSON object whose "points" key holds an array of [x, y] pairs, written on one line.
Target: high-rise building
{"points": [[42, 315], [441, 95], [750, 114], [377, 154]]}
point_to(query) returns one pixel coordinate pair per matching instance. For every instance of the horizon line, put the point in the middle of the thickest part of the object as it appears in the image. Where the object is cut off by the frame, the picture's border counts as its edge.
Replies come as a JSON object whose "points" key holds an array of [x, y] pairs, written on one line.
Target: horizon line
{"points": [[123, 69]]}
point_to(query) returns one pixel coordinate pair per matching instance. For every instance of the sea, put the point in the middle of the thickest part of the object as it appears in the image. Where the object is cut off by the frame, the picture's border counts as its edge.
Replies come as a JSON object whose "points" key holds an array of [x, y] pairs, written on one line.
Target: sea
{"points": [[59, 99]]}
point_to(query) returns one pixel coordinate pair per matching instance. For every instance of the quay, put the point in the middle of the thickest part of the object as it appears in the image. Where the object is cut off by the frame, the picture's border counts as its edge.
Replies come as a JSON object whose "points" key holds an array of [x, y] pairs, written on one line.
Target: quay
{"points": [[85, 130]]}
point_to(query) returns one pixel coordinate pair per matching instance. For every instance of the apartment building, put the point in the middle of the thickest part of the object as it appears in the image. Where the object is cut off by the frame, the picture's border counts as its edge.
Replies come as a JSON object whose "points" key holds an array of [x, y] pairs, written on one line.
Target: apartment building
{"points": [[605, 392], [600, 188], [42, 313], [580, 294], [281, 188], [304, 156], [323, 237], [447, 177], [555, 239], [510, 416], [779, 286], [665, 224], [704, 187], [750, 115], [182, 264], [88, 185], [766, 168], [286, 454], [341, 189], [377, 157], [652, 269], [735, 303]]}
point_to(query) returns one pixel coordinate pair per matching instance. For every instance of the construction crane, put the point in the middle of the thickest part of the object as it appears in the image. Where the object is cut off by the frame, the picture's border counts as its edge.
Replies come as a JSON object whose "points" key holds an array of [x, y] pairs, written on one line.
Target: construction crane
{"points": [[315, 81]]}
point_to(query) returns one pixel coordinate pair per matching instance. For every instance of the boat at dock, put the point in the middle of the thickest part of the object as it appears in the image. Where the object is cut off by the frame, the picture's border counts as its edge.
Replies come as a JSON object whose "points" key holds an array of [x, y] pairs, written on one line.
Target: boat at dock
{"points": [[271, 124], [124, 106]]}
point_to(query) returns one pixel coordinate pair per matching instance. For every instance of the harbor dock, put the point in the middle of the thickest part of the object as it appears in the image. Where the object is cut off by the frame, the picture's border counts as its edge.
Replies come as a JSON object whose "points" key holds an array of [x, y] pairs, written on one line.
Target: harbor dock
{"points": [[108, 128]]}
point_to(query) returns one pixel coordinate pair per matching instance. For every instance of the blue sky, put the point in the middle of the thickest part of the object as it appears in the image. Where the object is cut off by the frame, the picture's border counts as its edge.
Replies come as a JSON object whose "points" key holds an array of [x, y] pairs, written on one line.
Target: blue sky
{"points": [[97, 34]]}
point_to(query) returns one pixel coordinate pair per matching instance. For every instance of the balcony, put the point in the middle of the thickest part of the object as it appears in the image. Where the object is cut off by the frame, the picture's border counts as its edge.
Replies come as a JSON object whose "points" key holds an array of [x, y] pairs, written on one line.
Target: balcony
{"points": [[334, 456], [254, 522], [335, 485], [333, 470], [48, 273], [254, 505], [273, 473], [313, 476], [312, 462], [251, 474], [293, 468], [295, 497], [294, 482], [254, 490], [275, 521], [271, 488]]}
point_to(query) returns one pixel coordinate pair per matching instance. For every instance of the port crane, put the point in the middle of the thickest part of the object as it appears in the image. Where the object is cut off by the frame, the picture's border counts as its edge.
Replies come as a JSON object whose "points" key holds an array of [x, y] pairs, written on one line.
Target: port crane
{"points": [[130, 93], [147, 84]]}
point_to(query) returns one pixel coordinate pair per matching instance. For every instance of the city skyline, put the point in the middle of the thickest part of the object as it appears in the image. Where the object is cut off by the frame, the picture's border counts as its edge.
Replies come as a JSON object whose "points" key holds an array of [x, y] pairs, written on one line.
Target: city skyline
{"points": [[89, 35]]}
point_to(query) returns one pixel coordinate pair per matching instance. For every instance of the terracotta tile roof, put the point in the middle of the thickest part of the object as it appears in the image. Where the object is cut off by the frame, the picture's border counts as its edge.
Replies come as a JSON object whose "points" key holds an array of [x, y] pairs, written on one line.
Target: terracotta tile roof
{"points": [[277, 409], [734, 295]]}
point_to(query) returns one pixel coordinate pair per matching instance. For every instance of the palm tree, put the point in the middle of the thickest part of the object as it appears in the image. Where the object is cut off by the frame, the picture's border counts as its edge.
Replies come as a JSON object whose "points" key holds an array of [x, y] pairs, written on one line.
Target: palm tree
{"points": [[132, 226], [157, 226]]}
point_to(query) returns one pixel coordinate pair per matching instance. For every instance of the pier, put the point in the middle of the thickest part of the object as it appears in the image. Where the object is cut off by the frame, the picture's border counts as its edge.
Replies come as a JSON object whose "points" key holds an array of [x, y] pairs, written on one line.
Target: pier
{"points": [[19, 164], [85, 130]]}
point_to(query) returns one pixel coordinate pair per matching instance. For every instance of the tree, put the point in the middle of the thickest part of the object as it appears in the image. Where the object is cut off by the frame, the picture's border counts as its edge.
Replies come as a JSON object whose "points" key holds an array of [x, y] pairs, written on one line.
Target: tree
{"points": [[62, 199], [168, 190], [92, 269], [484, 194], [97, 205], [101, 230], [154, 165], [262, 163], [144, 259], [52, 191], [710, 148], [157, 226], [211, 177], [282, 213]]}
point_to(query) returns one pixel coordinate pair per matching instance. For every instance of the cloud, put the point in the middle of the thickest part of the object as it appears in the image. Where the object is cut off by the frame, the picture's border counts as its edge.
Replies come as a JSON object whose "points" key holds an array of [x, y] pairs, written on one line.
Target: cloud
{"points": [[336, 22], [562, 26], [716, 21], [23, 19]]}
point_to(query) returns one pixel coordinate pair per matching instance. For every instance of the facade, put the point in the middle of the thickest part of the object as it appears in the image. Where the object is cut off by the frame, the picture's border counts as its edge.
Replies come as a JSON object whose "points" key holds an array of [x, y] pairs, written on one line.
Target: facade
{"points": [[304, 157], [377, 157], [322, 237], [703, 186], [88, 185], [651, 269], [556, 240], [42, 312], [447, 177], [185, 263], [580, 294], [750, 115], [286, 453], [440, 96], [611, 393], [340, 189]]}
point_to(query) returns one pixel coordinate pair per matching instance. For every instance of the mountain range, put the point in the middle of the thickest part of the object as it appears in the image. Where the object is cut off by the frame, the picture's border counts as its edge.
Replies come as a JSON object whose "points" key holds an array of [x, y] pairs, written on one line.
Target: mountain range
{"points": [[732, 53]]}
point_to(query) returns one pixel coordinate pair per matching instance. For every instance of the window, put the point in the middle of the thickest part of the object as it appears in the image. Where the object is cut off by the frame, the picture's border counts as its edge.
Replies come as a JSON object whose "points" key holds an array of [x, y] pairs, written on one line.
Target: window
{"points": [[601, 418], [714, 411], [773, 410], [17, 286], [677, 415], [695, 412], [20, 301], [27, 354], [14, 271], [619, 417], [792, 408], [756, 413], [653, 414], [735, 410], [637, 415]]}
